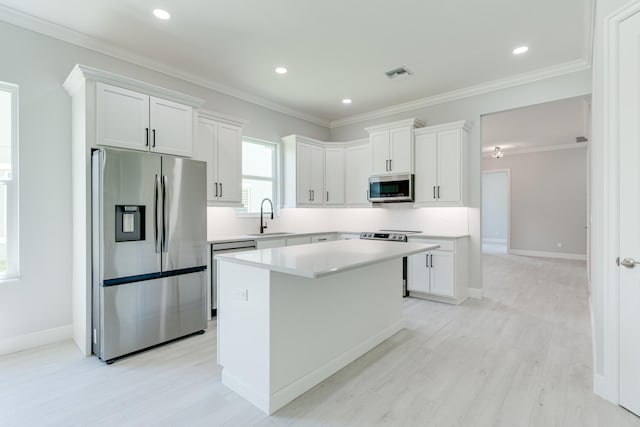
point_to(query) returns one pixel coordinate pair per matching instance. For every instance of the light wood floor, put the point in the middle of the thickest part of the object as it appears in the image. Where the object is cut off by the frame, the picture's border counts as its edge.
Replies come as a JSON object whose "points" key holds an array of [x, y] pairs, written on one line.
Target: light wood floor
{"points": [[519, 357]]}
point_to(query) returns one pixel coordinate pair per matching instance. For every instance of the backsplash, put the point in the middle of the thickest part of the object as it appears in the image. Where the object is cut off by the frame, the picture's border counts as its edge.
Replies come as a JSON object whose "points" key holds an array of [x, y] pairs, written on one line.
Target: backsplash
{"points": [[437, 221]]}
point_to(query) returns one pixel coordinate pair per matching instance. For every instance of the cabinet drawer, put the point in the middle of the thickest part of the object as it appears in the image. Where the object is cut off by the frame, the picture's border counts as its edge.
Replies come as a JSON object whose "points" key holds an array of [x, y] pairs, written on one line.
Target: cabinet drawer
{"points": [[445, 245]]}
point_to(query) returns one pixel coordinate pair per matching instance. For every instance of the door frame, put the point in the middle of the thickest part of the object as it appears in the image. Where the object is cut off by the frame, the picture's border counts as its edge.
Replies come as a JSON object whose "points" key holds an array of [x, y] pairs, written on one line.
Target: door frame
{"points": [[508, 173], [605, 215]]}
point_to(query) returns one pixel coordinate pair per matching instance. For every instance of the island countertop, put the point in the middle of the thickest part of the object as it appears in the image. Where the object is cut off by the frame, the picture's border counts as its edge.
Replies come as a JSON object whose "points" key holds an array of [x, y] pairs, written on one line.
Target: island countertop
{"points": [[323, 259]]}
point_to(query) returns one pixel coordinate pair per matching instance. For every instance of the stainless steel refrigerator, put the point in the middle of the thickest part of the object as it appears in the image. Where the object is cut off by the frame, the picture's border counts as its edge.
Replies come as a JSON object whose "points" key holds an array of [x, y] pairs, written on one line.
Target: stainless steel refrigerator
{"points": [[149, 250]]}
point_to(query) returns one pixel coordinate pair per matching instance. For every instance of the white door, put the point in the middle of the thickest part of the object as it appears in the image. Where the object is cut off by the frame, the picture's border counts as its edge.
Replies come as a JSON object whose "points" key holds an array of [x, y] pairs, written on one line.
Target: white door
{"points": [[442, 273], [426, 167], [629, 66], [449, 166], [204, 150], [229, 163], [122, 118], [316, 175], [357, 171], [171, 127], [401, 144], [303, 175], [379, 152], [334, 176], [418, 272]]}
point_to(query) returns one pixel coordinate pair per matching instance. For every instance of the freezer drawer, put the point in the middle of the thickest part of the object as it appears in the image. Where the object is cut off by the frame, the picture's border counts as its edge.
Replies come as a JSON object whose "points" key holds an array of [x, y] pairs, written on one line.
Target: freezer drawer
{"points": [[138, 315]]}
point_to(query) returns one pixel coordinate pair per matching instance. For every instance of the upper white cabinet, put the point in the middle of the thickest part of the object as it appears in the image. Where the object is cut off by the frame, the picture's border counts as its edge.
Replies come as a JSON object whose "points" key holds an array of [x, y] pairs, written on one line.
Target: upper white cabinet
{"points": [[220, 145], [356, 177], [441, 159], [392, 147], [137, 121], [303, 172], [334, 170]]}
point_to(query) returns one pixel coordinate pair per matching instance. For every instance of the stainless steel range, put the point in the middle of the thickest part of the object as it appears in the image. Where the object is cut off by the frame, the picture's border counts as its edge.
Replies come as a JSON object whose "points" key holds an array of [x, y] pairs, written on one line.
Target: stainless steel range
{"points": [[392, 236]]}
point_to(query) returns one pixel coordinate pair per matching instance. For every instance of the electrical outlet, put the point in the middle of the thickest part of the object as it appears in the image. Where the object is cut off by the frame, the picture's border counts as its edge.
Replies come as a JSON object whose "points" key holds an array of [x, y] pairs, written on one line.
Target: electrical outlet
{"points": [[243, 294]]}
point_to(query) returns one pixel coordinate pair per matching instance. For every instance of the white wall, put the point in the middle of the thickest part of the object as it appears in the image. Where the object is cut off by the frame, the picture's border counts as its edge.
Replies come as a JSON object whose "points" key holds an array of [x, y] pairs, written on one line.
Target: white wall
{"points": [[471, 109], [37, 308], [495, 205], [548, 200]]}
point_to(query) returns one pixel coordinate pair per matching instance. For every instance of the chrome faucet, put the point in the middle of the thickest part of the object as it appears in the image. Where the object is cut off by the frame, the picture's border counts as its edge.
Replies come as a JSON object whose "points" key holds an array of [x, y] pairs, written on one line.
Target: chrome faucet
{"points": [[264, 225]]}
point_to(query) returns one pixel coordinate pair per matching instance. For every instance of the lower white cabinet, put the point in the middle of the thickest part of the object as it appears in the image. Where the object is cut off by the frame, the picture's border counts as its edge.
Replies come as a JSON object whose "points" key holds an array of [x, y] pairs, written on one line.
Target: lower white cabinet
{"points": [[298, 240], [440, 274], [271, 243], [319, 238]]}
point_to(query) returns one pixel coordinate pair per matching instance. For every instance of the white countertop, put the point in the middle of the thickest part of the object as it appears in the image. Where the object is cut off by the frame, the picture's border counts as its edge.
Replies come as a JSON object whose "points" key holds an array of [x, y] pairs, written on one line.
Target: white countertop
{"points": [[323, 259], [242, 237]]}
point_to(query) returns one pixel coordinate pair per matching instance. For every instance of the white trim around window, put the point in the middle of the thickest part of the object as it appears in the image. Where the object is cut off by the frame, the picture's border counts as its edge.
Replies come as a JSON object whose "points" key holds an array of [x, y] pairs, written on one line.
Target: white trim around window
{"points": [[275, 177], [9, 180]]}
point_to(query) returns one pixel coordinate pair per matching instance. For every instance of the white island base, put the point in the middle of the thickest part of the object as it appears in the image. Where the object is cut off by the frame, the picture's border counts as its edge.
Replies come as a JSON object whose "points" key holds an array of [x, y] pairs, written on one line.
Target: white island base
{"points": [[293, 332]]}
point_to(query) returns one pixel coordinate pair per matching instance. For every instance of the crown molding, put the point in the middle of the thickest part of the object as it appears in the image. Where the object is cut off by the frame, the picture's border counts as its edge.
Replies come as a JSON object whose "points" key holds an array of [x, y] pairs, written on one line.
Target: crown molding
{"points": [[221, 117], [540, 149], [413, 122], [56, 31], [460, 124], [544, 73]]}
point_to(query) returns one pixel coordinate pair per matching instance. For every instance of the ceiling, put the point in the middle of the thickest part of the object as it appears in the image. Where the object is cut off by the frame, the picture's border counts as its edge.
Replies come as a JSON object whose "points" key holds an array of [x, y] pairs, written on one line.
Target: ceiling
{"points": [[332, 48], [556, 123]]}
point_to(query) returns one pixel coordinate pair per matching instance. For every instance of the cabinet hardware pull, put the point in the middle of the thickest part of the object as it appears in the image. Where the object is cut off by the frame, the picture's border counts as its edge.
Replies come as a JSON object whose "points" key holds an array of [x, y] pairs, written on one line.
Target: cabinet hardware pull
{"points": [[434, 191], [154, 137], [309, 195], [431, 262], [313, 195], [327, 196], [438, 191], [426, 260], [220, 189], [146, 144], [386, 165], [216, 184], [390, 165]]}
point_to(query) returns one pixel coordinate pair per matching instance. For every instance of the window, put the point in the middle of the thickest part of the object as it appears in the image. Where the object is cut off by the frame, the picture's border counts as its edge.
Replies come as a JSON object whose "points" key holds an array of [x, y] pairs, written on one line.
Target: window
{"points": [[8, 181], [259, 174]]}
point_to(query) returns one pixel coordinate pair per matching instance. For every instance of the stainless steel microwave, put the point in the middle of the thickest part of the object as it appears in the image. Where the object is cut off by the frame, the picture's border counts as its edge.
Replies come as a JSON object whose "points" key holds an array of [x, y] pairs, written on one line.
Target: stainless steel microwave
{"points": [[391, 188]]}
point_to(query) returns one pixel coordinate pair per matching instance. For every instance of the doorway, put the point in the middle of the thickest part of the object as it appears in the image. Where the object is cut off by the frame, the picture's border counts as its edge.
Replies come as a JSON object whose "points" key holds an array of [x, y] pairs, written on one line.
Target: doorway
{"points": [[495, 211]]}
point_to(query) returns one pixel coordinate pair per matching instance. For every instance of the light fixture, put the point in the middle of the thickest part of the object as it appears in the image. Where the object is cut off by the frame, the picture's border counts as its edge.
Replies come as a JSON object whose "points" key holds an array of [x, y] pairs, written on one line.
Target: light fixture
{"points": [[497, 153], [281, 70], [520, 50], [161, 14], [347, 101]]}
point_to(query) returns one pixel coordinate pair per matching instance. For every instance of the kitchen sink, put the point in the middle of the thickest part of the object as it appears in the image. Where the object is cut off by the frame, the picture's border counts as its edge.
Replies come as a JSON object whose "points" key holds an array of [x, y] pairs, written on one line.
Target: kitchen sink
{"points": [[275, 233]]}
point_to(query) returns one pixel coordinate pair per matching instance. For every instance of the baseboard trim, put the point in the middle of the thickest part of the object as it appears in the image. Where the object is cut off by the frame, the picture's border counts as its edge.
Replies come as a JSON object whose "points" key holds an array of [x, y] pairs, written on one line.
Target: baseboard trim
{"points": [[35, 339], [500, 241], [544, 254], [605, 389], [475, 293]]}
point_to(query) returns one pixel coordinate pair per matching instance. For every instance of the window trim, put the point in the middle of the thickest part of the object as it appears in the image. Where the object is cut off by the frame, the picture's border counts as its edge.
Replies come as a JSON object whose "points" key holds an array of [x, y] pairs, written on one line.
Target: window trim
{"points": [[13, 199], [276, 175]]}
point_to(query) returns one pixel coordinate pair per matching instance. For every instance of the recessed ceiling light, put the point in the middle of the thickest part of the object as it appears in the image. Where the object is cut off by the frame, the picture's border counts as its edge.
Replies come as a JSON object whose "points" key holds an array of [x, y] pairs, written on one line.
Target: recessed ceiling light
{"points": [[161, 14], [346, 101], [281, 70], [520, 50]]}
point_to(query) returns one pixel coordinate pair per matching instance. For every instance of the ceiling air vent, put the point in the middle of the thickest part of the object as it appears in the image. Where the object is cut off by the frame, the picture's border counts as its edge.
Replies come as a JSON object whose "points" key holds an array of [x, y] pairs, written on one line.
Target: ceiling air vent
{"points": [[401, 72]]}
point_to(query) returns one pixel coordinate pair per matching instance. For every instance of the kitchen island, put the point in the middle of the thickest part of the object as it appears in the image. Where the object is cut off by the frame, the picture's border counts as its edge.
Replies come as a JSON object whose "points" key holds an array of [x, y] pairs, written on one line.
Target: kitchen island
{"points": [[290, 317]]}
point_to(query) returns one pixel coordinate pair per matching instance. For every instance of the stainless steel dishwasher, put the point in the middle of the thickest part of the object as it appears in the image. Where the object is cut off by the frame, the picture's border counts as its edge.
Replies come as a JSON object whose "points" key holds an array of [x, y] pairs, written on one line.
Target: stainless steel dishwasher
{"points": [[224, 248]]}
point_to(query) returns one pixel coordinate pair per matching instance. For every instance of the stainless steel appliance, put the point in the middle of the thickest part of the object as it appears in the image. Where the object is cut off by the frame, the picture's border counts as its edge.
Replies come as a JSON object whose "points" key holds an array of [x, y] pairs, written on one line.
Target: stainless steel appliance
{"points": [[224, 248], [391, 188], [392, 236], [149, 250]]}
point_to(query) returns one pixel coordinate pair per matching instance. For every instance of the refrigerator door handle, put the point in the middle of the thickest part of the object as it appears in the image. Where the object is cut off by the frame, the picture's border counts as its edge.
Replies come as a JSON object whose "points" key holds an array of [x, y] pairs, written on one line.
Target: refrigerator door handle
{"points": [[155, 215], [165, 220]]}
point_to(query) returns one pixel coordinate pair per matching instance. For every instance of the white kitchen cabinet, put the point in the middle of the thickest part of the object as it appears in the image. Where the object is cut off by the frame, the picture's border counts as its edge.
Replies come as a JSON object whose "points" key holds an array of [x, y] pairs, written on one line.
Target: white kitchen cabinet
{"points": [[303, 172], [220, 145], [319, 238], [271, 243], [441, 164], [440, 274], [298, 240], [137, 121], [357, 172], [392, 147], [334, 176]]}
